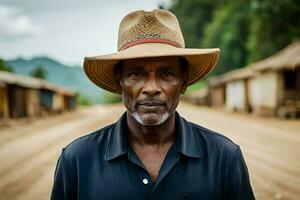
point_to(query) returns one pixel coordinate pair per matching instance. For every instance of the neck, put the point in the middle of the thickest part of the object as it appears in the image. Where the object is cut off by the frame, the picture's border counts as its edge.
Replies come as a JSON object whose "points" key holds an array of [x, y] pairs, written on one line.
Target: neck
{"points": [[160, 135]]}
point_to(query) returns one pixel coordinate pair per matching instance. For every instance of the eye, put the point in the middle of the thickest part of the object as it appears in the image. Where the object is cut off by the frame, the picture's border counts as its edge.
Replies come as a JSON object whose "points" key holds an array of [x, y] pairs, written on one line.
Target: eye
{"points": [[166, 73], [134, 74]]}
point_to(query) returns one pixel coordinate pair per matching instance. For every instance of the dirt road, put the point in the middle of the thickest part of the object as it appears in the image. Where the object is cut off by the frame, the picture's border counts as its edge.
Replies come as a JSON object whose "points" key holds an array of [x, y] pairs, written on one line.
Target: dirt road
{"points": [[28, 152]]}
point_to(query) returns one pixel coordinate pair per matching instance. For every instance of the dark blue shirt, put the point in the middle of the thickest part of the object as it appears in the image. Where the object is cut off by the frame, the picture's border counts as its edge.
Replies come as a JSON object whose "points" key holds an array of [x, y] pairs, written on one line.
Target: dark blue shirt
{"points": [[201, 164]]}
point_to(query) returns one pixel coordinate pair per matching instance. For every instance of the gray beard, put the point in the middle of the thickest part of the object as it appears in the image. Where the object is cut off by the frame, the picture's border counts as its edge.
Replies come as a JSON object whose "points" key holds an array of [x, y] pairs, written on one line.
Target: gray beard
{"points": [[141, 118]]}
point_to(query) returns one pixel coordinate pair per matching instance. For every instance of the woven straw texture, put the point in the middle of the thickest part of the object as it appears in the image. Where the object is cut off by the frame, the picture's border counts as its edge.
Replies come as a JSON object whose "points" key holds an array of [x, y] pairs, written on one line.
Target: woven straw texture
{"points": [[148, 26]]}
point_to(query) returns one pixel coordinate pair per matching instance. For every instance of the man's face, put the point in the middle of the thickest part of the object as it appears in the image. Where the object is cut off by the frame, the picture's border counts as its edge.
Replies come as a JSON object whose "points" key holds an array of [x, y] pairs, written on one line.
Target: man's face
{"points": [[151, 88]]}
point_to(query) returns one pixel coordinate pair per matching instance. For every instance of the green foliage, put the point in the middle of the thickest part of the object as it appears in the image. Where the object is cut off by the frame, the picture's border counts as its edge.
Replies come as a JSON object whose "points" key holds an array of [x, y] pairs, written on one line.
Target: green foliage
{"points": [[274, 25], [193, 16], [194, 87], [229, 31], [83, 100], [245, 31], [39, 72], [4, 66], [108, 97]]}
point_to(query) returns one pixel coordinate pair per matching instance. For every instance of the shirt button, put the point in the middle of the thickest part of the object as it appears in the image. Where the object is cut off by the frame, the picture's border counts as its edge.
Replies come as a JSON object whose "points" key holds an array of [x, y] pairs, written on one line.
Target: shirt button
{"points": [[145, 181]]}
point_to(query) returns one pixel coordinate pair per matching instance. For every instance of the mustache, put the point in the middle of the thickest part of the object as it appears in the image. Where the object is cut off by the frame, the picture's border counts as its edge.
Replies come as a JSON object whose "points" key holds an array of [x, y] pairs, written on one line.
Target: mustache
{"points": [[150, 102]]}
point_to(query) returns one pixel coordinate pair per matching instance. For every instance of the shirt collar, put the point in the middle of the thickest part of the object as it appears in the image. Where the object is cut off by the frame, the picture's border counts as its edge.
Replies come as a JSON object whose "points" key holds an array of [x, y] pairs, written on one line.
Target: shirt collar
{"points": [[117, 142], [186, 141]]}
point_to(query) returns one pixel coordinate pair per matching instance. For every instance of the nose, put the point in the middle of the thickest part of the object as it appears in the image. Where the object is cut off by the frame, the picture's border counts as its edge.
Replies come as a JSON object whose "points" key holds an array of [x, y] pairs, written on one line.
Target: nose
{"points": [[151, 87]]}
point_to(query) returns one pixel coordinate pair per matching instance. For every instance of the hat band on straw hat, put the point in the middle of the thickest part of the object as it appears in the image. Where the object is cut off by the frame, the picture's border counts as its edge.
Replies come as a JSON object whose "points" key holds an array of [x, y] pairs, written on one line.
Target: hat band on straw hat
{"points": [[150, 40]]}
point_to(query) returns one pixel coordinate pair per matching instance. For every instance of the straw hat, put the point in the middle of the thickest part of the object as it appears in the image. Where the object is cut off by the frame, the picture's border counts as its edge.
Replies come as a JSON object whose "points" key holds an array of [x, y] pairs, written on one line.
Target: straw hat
{"points": [[149, 34]]}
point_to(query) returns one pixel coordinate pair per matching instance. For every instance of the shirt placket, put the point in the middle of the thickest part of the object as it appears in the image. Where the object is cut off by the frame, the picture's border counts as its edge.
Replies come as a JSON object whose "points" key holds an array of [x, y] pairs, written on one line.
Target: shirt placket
{"points": [[170, 161], [144, 177]]}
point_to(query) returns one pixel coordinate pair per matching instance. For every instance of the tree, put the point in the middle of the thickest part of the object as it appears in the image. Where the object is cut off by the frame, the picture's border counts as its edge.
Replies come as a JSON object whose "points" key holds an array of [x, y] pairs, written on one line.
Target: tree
{"points": [[245, 31], [193, 16], [275, 24], [229, 31], [83, 100], [108, 97], [39, 72], [4, 66]]}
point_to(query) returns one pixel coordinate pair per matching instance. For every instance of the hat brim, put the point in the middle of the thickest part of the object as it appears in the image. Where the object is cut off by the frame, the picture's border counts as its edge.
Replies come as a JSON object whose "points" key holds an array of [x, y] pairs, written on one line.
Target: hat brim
{"points": [[100, 69]]}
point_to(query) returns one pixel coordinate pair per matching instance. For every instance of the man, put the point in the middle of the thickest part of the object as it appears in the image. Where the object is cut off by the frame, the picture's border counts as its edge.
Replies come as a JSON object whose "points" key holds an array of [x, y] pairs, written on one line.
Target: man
{"points": [[151, 152]]}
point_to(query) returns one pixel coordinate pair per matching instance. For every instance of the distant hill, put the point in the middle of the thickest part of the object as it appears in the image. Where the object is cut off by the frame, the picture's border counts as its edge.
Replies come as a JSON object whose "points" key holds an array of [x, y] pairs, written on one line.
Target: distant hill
{"points": [[72, 77]]}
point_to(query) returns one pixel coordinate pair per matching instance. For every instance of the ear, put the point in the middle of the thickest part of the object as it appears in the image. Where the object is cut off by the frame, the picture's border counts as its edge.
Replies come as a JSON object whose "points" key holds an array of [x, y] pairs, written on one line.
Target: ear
{"points": [[185, 73], [118, 73], [119, 89], [184, 82], [183, 89], [119, 85]]}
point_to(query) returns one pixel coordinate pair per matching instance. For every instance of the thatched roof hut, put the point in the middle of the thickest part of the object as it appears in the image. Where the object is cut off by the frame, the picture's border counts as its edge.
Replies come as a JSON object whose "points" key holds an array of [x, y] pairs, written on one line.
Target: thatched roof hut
{"points": [[25, 81], [267, 86], [276, 87], [238, 74], [3, 101], [288, 58], [215, 81], [28, 96], [199, 97], [2, 84], [33, 83]]}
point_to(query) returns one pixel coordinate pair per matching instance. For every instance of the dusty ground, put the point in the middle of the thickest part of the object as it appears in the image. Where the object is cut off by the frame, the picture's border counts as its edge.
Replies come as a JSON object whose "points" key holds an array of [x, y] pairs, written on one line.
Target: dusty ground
{"points": [[29, 151]]}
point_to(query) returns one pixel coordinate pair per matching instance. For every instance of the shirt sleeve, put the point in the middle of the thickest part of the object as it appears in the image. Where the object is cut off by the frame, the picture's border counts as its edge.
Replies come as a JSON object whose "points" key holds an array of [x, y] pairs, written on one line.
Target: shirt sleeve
{"points": [[62, 187], [240, 187]]}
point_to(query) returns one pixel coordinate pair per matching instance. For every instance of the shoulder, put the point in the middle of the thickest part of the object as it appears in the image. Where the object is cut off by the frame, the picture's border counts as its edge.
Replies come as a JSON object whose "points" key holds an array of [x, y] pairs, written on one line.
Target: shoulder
{"points": [[219, 149], [214, 141], [84, 146]]}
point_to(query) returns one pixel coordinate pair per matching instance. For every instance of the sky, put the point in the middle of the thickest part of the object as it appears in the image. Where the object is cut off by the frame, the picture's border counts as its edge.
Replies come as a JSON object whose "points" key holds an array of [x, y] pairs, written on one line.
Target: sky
{"points": [[65, 30]]}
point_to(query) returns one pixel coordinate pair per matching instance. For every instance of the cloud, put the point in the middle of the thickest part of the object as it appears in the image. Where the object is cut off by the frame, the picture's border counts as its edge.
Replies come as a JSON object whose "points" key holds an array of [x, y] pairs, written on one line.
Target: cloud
{"points": [[66, 30], [15, 24]]}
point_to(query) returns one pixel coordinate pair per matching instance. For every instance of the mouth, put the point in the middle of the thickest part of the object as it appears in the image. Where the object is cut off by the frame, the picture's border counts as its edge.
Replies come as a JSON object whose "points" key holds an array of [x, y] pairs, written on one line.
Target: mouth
{"points": [[151, 104]]}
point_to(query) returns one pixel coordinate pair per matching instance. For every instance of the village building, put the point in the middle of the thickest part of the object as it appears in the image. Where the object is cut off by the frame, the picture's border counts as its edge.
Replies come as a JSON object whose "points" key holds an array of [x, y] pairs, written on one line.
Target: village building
{"points": [[3, 101], [47, 98], [23, 96], [275, 89], [199, 97], [63, 100], [237, 89], [217, 96], [69, 99], [270, 87]]}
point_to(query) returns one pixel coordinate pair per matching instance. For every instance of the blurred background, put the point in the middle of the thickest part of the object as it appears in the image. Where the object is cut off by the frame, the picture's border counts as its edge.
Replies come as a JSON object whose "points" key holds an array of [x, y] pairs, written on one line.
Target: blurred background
{"points": [[46, 101]]}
